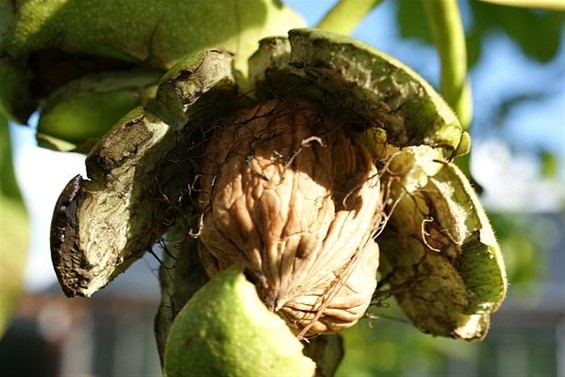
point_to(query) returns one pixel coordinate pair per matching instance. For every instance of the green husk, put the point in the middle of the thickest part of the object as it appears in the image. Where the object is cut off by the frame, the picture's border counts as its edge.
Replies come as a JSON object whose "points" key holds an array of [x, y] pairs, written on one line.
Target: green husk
{"points": [[440, 258], [225, 330]]}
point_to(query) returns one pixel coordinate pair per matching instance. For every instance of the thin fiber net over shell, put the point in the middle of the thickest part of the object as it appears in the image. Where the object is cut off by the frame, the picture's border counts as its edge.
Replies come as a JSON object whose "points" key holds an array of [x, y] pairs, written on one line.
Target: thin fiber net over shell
{"points": [[287, 194]]}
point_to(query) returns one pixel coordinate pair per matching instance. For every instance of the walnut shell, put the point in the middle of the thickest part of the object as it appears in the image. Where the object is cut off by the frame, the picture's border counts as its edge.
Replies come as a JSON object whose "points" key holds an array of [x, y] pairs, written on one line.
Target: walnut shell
{"points": [[287, 194]]}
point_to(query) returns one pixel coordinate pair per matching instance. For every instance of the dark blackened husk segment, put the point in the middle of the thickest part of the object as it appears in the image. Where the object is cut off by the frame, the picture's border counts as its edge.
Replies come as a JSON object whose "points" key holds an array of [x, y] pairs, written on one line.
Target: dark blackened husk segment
{"points": [[64, 235], [287, 194]]}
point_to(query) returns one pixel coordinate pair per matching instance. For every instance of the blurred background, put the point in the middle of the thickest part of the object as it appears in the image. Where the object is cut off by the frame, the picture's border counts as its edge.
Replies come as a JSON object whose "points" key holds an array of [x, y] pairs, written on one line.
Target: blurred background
{"points": [[517, 75]]}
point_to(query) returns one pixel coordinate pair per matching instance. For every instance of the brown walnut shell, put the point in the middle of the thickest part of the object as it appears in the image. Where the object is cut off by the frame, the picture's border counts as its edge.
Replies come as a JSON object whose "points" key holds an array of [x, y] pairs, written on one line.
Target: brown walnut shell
{"points": [[288, 195]]}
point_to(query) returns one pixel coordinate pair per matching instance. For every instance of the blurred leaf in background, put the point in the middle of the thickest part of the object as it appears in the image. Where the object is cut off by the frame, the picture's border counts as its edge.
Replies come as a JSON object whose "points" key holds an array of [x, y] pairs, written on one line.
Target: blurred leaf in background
{"points": [[526, 239], [392, 347], [85, 64], [537, 32], [13, 231]]}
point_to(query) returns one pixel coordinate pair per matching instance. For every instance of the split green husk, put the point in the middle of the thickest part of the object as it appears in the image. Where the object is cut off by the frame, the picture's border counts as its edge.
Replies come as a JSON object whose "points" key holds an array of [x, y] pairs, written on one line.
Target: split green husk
{"points": [[438, 255]]}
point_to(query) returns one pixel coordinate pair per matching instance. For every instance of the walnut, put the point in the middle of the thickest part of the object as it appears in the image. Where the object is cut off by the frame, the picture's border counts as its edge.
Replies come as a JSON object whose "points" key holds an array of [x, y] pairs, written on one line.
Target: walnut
{"points": [[288, 195]]}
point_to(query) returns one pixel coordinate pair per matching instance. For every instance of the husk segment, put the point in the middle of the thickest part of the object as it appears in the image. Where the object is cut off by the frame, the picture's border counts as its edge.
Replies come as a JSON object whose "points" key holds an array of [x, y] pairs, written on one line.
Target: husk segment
{"points": [[413, 135], [135, 189], [353, 79], [225, 330], [440, 258]]}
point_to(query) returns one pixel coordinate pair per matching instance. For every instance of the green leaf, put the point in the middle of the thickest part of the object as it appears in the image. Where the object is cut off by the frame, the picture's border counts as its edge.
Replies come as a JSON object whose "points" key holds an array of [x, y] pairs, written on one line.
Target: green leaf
{"points": [[82, 111], [46, 44], [14, 232], [7, 9], [15, 102], [225, 330], [543, 26], [156, 33], [411, 21]]}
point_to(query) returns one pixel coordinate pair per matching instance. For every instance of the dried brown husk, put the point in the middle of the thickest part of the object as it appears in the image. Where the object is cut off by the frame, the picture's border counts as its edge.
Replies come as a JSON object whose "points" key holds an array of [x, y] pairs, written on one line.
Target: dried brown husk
{"points": [[287, 194]]}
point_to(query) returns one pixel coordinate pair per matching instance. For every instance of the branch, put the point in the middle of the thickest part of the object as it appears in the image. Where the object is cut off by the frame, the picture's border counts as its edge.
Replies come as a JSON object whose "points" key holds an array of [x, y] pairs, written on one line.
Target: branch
{"points": [[344, 17], [540, 4], [447, 30]]}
